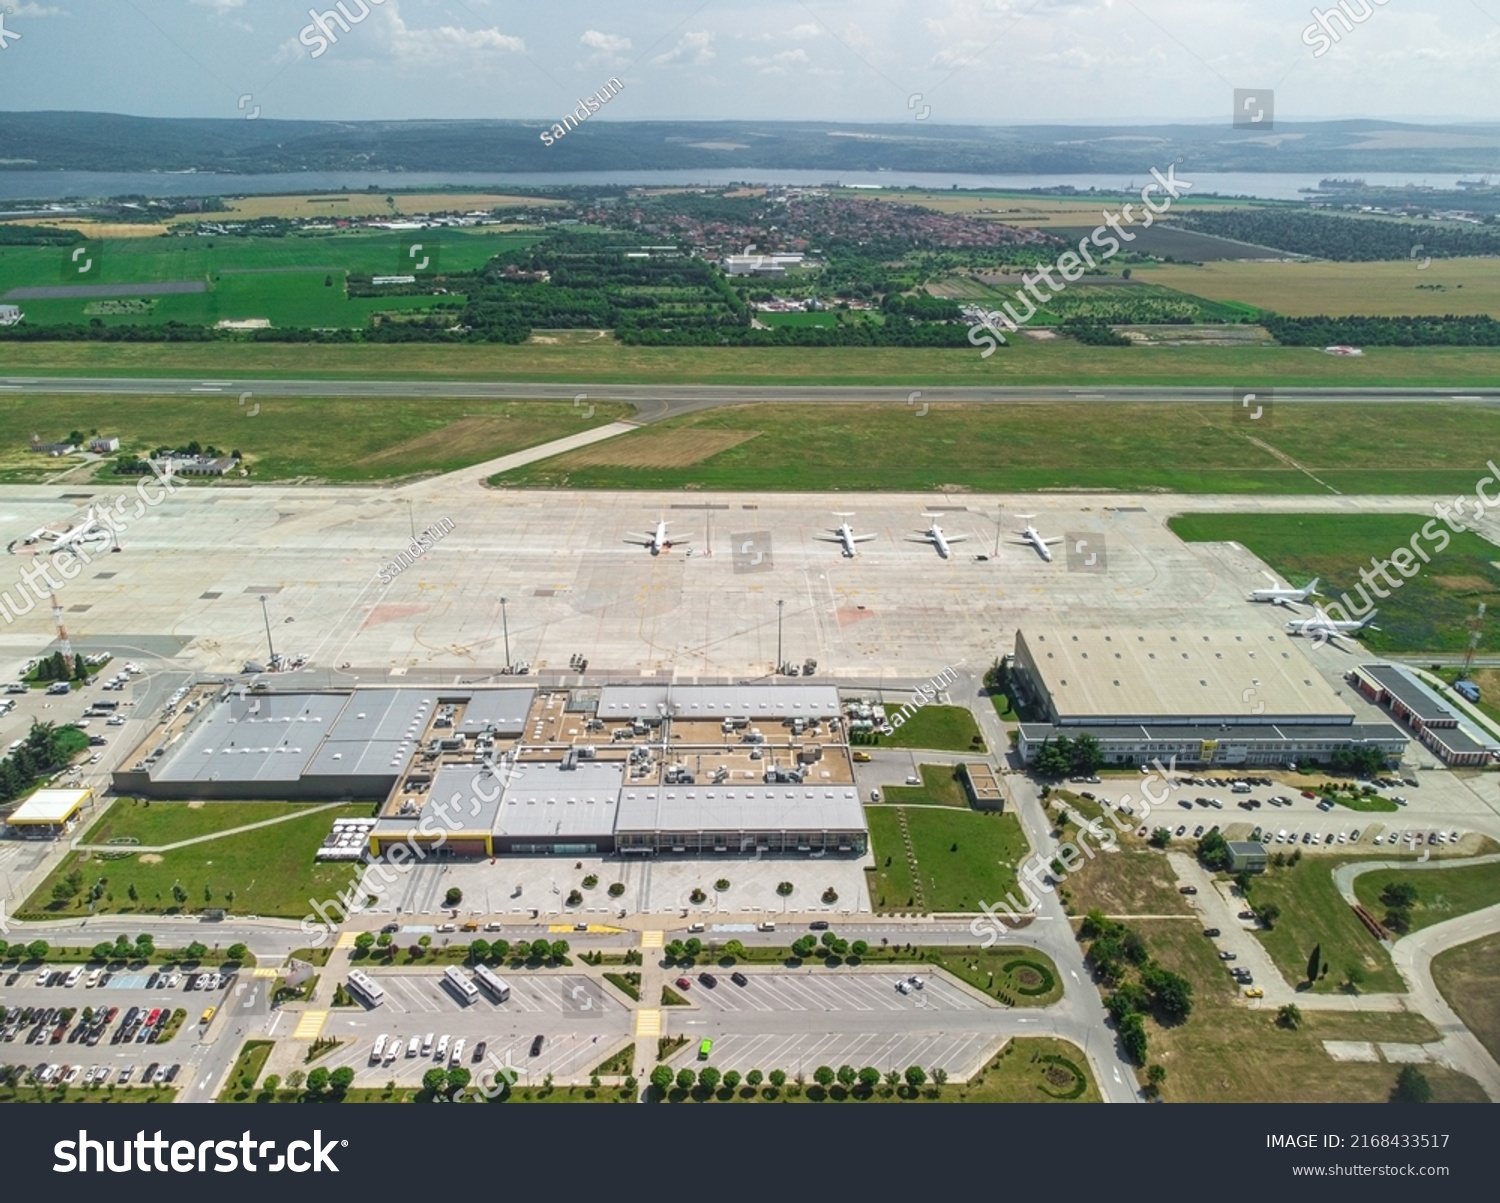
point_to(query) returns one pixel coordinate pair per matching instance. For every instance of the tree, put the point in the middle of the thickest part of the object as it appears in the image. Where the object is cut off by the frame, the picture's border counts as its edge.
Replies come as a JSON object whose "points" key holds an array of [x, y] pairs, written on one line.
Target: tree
{"points": [[778, 1078], [179, 895], [916, 1076], [892, 1079], [1411, 1086], [434, 1080], [824, 1075], [661, 1079], [237, 952], [453, 897], [500, 949], [458, 1078], [1289, 1016], [135, 894], [364, 941], [804, 947], [869, 1077], [479, 950], [1156, 1075], [732, 1079], [1354, 977], [1315, 963], [558, 950], [385, 939], [708, 1078], [1399, 894], [1171, 993], [753, 1078], [37, 950], [675, 950], [317, 1080], [1268, 915], [693, 946], [859, 948], [295, 1079], [1398, 920], [939, 1076], [1160, 838], [341, 1079], [272, 1084], [848, 1075], [686, 1078], [102, 951], [195, 951], [1132, 1031], [145, 945]]}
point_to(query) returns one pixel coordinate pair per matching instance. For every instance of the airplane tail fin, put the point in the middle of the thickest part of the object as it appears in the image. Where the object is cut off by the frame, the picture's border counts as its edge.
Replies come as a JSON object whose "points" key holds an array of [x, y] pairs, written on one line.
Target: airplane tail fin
{"points": [[1368, 619], [1312, 587]]}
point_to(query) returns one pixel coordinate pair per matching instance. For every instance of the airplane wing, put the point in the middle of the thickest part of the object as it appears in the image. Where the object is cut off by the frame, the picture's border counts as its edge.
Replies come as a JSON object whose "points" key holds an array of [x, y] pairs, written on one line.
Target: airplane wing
{"points": [[1050, 542], [955, 538], [863, 538], [1287, 602], [829, 539]]}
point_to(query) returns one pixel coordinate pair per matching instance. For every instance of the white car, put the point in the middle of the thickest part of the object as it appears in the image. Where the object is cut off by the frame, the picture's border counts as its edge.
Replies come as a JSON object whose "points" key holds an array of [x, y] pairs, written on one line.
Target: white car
{"points": [[393, 1050], [442, 1049], [904, 986], [458, 1052], [413, 1048], [115, 720]]}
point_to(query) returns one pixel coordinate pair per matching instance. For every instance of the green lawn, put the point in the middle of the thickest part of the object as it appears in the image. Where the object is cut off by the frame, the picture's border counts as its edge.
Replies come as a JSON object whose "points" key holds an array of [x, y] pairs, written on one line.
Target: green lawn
{"points": [[1314, 913], [344, 440], [941, 786], [940, 728], [153, 823], [76, 1094], [1431, 611], [1469, 977], [1441, 893], [270, 870], [982, 866], [1025, 446], [239, 1086]]}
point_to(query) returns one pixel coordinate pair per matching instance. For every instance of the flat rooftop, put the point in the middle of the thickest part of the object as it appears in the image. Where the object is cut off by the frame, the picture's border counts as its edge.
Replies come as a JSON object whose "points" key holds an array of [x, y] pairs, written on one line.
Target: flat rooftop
{"points": [[809, 807], [1141, 676], [49, 806], [764, 700]]}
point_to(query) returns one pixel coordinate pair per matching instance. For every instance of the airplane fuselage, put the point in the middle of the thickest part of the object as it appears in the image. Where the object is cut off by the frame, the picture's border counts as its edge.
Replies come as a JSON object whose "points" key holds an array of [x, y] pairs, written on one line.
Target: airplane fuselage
{"points": [[1034, 537]]}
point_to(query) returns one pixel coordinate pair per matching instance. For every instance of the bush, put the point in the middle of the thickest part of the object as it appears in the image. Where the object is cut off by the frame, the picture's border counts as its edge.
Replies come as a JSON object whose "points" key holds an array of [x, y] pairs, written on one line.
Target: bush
{"points": [[617, 889], [722, 884], [784, 888], [590, 882], [453, 897]]}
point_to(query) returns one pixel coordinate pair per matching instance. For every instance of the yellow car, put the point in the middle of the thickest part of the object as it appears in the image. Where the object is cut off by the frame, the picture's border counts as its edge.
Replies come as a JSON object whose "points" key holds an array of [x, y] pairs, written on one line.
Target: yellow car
{"points": [[862, 758], [208, 1015], [1254, 992]]}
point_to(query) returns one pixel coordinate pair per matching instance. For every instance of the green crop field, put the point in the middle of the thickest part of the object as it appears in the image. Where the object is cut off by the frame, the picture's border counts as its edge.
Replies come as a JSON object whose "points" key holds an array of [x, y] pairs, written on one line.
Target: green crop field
{"points": [[346, 440], [1060, 361], [1430, 612], [1027, 446], [287, 281]]}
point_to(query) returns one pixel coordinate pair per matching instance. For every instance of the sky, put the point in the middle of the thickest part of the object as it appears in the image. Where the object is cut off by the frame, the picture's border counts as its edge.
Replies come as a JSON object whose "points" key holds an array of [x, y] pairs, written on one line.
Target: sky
{"points": [[989, 62]]}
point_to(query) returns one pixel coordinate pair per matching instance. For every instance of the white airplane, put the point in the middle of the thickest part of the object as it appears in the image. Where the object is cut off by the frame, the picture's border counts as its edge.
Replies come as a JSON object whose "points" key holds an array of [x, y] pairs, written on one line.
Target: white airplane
{"points": [[1033, 537], [86, 530], [1286, 597], [1329, 630], [657, 542], [934, 535], [845, 535]]}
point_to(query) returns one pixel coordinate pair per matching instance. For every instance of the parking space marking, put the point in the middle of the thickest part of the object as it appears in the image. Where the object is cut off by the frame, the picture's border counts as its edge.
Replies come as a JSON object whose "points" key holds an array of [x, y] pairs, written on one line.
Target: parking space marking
{"points": [[648, 1023], [310, 1025]]}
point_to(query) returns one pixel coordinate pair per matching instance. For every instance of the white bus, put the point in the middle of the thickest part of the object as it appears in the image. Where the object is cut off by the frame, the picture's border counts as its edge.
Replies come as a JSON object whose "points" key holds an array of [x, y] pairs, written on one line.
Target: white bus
{"points": [[365, 987], [493, 984], [454, 978]]}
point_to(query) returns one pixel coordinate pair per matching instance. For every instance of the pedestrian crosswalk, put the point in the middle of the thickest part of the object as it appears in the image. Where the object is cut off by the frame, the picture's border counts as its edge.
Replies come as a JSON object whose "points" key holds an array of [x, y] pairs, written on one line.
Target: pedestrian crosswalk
{"points": [[310, 1025], [265, 971], [648, 1023], [652, 939], [346, 940]]}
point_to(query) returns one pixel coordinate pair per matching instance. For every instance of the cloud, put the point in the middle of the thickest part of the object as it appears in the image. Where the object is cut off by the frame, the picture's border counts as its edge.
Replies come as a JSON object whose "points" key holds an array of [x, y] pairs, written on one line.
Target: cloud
{"points": [[31, 9], [220, 5], [608, 48], [694, 48], [778, 64]]}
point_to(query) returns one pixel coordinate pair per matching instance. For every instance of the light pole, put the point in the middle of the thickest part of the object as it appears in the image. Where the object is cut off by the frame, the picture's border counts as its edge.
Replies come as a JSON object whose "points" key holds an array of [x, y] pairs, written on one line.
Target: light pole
{"points": [[779, 661], [266, 614], [411, 519], [505, 626]]}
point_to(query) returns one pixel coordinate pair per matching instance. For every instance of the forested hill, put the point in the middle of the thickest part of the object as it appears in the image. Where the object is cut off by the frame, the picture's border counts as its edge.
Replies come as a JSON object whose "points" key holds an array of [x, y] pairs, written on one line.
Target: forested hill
{"points": [[112, 142]]}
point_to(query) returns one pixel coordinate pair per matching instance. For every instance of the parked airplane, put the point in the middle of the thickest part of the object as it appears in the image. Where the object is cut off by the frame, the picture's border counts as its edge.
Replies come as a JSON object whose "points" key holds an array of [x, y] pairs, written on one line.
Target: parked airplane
{"points": [[934, 535], [845, 535], [657, 542], [1286, 597], [1033, 537], [88, 529], [1329, 630]]}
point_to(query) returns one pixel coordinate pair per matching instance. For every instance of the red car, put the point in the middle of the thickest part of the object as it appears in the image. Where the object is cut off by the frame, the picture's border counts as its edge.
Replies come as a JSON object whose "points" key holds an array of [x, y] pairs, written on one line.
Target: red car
{"points": [[153, 1017], [684, 984]]}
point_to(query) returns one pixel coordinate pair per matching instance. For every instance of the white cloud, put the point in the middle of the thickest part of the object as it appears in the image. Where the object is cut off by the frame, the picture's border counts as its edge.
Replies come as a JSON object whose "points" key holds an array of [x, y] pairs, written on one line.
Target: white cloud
{"points": [[609, 48], [694, 48], [778, 64], [31, 9]]}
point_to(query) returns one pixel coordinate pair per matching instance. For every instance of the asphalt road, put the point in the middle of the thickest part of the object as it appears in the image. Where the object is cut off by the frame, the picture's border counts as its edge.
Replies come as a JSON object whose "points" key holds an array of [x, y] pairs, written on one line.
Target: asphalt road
{"points": [[658, 401]]}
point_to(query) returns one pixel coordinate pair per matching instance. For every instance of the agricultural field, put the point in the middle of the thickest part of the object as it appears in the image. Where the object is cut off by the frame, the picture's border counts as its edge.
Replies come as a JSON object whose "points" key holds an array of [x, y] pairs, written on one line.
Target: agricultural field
{"points": [[1229, 1051], [342, 206], [596, 359], [1465, 287], [343, 440], [292, 281], [267, 871], [1112, 301], [1028, 209], [1430, 612], [1036, 446], [962, 858]]}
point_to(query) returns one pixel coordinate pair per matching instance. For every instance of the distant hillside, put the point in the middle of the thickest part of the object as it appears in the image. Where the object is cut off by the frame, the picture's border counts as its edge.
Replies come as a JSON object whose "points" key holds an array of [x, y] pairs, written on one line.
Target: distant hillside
{"points": [[111, 142]]}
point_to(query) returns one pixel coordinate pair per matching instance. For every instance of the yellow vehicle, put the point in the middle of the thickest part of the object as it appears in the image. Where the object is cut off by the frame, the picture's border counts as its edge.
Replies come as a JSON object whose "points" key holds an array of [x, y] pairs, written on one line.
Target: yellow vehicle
{"points": [[1254, 992], [208, 1015], [862, 757], [470, 926]]}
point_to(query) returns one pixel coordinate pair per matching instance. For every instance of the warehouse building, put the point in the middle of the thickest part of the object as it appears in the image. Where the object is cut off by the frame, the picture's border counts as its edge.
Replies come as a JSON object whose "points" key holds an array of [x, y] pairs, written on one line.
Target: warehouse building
{"points": [[1206, 698], [1437, 723]]}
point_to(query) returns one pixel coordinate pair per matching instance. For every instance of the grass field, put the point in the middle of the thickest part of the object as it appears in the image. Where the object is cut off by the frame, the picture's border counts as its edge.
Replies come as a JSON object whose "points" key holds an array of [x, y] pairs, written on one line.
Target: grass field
{"points": [[1025, 446], [1060, 362], [168, 822], [1228, 1052], [941, 786], [1469, 978], [962, 858], [1313, 913], [343, 440], [1441, 893], [1457, 286], [1430, 612], [271, 872], [335, 206], [941, 728], [288, 281]]}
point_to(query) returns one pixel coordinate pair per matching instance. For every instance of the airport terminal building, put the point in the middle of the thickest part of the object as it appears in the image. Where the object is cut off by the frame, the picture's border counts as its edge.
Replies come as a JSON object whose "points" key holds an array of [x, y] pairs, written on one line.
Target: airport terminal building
{"points": [[1206, 697], [491, 771]]}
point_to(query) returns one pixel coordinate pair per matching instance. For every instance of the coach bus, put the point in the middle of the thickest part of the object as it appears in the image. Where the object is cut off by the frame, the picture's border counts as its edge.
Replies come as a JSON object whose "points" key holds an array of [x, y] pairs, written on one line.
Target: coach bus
{"points": [[365, 987], [454, 979], [493, 984]]}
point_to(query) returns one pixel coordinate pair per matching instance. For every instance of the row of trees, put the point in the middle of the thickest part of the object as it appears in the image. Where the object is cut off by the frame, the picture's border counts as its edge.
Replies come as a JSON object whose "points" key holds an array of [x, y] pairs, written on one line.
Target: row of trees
{"points": [[1342, 239], [857, 1081], [45, 749], [1448, 331], [1121, 959], [1064, 757]]}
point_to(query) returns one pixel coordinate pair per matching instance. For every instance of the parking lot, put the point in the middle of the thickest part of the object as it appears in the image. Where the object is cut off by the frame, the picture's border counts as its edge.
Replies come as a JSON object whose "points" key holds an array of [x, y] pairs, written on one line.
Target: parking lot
{"points": [[849, 992], [563, 993], [959, 1053]]}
